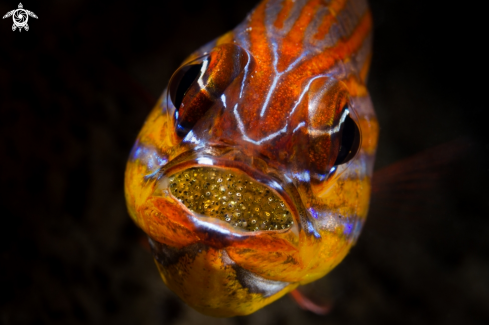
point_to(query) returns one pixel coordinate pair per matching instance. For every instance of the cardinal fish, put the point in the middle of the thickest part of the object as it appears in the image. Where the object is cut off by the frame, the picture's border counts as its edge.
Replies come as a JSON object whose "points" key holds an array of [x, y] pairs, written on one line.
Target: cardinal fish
{"points": [[252, 174]]}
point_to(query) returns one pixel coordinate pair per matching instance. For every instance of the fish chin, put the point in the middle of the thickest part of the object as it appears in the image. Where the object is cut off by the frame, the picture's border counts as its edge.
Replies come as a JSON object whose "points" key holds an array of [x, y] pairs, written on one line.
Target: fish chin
{"points": [[230, 289]]}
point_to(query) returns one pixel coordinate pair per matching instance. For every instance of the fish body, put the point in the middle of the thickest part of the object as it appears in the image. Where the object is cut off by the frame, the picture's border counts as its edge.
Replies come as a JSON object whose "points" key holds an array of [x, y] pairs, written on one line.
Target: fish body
{"points": [[251, 176]]}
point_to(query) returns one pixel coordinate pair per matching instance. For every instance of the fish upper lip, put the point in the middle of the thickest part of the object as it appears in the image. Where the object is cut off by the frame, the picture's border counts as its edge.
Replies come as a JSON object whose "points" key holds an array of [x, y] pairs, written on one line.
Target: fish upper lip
{"points": [[208, 160]]}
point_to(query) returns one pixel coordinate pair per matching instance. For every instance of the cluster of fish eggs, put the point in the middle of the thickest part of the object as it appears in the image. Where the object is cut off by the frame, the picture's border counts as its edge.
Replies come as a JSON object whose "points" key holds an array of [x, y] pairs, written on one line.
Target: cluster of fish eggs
{"points": [[232, 197]]}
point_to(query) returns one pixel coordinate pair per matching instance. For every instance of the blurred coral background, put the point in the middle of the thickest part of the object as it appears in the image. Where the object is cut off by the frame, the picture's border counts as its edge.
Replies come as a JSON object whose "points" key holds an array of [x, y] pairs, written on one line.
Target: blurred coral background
{"points": [[75, 90]]}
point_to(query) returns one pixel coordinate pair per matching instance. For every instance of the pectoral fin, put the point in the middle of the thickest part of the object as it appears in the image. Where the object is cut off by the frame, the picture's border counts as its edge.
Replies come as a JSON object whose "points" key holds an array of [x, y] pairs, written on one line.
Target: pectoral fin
{"points": [[306, 303]]}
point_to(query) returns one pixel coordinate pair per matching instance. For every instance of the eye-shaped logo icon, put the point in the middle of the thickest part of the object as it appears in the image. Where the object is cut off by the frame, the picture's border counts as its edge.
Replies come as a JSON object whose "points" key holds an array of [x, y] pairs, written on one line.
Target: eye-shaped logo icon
{"points": [[20, 17]]}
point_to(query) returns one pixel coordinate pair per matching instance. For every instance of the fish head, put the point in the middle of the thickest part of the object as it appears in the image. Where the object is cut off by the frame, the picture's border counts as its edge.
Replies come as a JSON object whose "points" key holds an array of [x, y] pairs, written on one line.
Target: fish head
{"points": [[250, 178]]}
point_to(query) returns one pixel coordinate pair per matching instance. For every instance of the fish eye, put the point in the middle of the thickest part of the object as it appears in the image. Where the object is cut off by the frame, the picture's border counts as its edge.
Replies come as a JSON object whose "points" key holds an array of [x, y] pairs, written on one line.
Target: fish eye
{"points": [[184, 84], [349, 138], [196, 86], [181, 81]]}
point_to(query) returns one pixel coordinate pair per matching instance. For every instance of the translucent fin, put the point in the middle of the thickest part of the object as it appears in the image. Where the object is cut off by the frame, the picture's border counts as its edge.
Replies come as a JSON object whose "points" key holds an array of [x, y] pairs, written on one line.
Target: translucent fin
{"points": [[416, 179], [306, 303], [415, 190]]}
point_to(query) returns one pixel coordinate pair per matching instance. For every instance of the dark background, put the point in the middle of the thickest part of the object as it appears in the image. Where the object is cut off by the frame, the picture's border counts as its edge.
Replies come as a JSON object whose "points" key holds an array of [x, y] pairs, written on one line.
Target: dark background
{"points": [[75, 90]]}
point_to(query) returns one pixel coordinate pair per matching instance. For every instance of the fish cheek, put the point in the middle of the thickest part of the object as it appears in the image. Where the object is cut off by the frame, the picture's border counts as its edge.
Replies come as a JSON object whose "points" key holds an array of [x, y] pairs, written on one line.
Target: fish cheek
{"points": [[164, 221], [321, 154], [325, 100]]}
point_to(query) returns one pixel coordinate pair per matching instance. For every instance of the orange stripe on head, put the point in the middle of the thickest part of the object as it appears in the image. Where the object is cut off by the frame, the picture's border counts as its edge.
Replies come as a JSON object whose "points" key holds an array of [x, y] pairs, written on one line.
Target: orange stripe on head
{"points": [[258, 35], [297, 32], [340, 52], [334, 8], [284, 13], [261, 49], [292, 43], [347, 47]]}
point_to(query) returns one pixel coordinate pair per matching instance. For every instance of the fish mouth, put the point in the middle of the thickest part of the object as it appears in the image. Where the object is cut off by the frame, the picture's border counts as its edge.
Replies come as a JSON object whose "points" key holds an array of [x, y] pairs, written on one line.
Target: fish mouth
{"points": [[231, 193], [231, 196]]}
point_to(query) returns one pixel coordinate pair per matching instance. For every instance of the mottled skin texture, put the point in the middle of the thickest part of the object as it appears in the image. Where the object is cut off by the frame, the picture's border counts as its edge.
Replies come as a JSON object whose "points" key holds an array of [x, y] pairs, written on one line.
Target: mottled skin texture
{"points": [[273, 92]]}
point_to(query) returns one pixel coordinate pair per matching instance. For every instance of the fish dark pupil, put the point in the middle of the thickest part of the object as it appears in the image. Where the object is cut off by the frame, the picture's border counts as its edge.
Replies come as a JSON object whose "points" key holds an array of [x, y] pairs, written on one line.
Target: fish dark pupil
{"points": [[349, 142], [186, 78], [232, 197]]}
